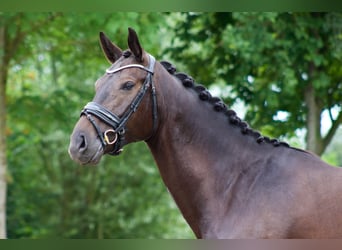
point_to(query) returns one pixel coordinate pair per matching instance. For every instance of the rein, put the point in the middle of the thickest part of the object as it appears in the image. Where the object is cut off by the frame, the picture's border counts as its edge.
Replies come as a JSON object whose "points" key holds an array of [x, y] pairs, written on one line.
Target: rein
{"points": [[116, 134]]}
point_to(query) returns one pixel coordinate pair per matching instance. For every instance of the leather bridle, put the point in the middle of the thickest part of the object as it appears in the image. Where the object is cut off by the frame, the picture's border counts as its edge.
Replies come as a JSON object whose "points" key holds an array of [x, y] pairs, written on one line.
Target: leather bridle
{"points": [[115, 135]]}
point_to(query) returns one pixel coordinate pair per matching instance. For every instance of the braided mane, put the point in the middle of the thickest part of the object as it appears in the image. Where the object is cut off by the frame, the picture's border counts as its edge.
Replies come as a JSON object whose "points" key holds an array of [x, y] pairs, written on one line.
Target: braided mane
{"points": [[220, 106]]}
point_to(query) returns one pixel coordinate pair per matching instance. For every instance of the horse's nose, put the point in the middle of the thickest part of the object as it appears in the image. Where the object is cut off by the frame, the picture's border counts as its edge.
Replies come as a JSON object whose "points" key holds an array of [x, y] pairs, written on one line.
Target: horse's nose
{"points": [[78, 144], [82, 143]]}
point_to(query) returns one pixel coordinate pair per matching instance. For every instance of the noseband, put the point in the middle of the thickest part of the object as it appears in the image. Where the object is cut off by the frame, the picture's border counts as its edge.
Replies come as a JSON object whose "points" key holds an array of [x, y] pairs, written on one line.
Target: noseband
{"points": [[115, 136]]}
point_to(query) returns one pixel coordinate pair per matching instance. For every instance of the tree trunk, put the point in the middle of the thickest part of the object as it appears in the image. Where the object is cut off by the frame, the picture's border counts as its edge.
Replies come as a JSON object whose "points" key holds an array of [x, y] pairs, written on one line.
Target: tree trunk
{"points": [[3, 160], [314, 141]]}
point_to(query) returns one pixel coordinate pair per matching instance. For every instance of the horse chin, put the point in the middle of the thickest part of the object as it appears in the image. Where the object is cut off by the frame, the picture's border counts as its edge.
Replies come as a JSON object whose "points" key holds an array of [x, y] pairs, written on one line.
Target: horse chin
{"points": [[95, 159], [90, 157]]}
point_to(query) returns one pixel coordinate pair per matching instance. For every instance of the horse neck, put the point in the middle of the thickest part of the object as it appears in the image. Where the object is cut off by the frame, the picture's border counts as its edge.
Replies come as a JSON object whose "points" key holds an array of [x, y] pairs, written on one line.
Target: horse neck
{"points": [[191, 137]]}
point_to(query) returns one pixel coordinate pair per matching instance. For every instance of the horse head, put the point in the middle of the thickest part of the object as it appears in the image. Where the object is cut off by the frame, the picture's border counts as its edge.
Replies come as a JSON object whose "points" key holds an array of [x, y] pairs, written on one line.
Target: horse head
{"points": [[118, 113]]}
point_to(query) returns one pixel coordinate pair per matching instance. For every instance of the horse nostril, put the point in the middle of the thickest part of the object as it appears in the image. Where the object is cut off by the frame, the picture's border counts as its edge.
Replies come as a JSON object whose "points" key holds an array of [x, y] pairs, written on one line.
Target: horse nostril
{"points": [[82, 143]]}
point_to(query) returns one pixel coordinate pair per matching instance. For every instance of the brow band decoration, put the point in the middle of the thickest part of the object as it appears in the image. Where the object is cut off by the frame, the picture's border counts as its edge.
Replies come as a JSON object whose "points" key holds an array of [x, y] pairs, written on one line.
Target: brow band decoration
{"points": [[112, 71]]}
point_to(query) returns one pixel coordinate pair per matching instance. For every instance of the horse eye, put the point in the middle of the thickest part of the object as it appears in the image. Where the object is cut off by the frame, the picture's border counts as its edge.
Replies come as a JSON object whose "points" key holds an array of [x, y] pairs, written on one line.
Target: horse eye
{"points": [[127, 85]]}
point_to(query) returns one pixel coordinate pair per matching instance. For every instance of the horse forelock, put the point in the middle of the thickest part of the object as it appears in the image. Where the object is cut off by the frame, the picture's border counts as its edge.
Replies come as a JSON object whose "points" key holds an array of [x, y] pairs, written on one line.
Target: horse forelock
{"points": [[219, 106]]}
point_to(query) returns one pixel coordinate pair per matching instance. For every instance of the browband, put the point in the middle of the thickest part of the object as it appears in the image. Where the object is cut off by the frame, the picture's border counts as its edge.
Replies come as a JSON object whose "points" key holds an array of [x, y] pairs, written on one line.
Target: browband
{"points": [[112, 71]]}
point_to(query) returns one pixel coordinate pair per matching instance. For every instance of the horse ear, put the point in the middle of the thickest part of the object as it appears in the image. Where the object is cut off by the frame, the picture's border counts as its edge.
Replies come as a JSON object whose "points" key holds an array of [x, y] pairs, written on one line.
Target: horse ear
{"points": [[111, 51], [134, 45]]}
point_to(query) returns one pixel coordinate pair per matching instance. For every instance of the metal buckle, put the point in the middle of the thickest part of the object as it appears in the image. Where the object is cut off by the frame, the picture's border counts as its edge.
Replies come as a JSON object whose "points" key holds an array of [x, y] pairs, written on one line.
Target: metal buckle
{"points": [[110, 136]]}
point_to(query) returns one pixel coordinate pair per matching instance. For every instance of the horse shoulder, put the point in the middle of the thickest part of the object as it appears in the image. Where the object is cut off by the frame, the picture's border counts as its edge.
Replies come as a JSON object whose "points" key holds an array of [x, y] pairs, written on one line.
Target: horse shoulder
{"points": [[316, 205]]}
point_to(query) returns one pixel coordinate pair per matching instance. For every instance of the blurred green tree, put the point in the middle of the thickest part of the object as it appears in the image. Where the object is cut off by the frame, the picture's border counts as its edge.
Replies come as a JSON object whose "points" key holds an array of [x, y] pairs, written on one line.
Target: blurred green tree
{"points": [[284, 66], [14, 28]]}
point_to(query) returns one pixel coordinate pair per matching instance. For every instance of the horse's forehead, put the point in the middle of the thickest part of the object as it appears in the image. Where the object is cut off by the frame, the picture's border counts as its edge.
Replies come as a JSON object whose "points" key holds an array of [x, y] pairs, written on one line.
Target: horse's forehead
{"points": [[111, 76], [126, 72], [109, 81], [126, 59], [119, 63], [107, 88]]}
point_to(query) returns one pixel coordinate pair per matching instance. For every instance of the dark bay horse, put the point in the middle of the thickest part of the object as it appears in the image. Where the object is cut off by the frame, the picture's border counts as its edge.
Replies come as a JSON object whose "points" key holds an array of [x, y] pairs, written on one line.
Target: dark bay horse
{"points": [[227, 179]]}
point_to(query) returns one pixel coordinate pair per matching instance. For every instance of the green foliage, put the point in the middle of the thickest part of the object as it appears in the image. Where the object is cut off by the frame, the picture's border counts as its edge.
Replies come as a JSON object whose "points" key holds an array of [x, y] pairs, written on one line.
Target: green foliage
{"points": [[333, 153], [269, 60]]}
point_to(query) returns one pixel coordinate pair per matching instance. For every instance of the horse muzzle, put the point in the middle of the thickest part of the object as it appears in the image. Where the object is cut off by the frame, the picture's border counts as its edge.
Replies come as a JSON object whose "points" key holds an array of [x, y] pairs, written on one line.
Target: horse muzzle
{"points": [[84, 150]]}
